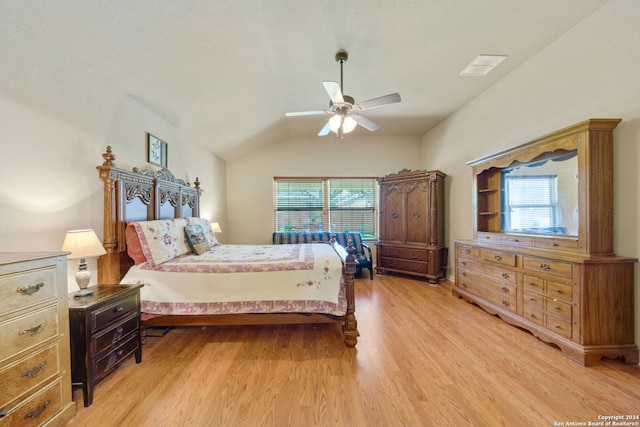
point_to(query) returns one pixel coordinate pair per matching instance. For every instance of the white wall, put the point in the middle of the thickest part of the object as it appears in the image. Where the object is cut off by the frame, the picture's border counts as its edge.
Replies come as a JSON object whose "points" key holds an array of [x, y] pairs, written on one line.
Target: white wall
{"points": [[593, 71], [250, 178], [56, 120]]}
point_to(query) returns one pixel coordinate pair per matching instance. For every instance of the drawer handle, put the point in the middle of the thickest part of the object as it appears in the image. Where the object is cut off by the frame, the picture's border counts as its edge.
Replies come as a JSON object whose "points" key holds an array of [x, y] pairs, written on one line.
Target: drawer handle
{"points": [[119, 309], [414, 268], [31, 289], [506, 303], [557, 307], [120, 353], [416, 214], [394, 253], [5, 411], [394, 215], [33, 372], [464, 274], [505, 289], [392, 264], [516, 240], [532, 299], [554, 244], [467, 250], [545, 266], [119, 330], [464, 263], [34, 330], [557, 291], [464, 285], [414, 256], [497, 257], [39, 410], [505, 275]]}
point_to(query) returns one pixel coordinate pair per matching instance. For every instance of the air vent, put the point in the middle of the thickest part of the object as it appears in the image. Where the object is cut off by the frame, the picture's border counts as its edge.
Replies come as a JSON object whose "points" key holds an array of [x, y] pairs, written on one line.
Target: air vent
{"points": [[482, 65]]}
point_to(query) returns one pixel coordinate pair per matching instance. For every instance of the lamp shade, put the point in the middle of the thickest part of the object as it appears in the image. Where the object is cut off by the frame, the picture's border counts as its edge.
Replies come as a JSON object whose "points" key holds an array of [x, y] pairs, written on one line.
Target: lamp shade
{"points": [[216, 227], [82, 244]]}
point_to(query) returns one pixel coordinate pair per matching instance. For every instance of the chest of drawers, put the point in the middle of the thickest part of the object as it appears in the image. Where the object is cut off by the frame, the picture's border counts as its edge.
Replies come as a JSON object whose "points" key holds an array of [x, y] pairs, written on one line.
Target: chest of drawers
{"points": [[105, 330], [584, 305], [35, 377]]}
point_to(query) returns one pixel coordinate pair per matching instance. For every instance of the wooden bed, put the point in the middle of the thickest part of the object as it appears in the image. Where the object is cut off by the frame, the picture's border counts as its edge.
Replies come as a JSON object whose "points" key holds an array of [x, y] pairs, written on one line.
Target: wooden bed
{"points": [[143, 195]]}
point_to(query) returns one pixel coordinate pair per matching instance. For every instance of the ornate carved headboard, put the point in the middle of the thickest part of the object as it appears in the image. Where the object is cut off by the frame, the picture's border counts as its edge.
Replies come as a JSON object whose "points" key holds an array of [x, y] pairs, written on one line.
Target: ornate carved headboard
{"points": [[140, 195]]}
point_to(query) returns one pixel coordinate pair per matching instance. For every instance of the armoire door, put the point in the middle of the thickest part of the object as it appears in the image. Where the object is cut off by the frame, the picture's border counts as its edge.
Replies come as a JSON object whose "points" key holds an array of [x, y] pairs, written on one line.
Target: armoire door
{"points": [[416, 216], [391, 218]]}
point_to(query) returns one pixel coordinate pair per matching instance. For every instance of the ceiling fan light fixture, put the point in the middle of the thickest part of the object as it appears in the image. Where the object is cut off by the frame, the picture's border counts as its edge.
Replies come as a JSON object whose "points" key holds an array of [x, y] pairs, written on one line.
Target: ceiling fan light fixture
{"points": [[335, 122], [348, 124]]}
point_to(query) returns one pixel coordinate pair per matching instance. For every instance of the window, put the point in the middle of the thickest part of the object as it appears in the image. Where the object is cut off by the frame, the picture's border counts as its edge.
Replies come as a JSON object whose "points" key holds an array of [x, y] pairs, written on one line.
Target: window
{"points": [[531, 202], [326, 204]]}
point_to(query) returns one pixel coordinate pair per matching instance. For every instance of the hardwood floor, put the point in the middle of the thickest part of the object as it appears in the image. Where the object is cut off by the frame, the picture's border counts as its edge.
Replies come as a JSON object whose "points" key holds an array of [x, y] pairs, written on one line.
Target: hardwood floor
{"points": [[424, 358]]}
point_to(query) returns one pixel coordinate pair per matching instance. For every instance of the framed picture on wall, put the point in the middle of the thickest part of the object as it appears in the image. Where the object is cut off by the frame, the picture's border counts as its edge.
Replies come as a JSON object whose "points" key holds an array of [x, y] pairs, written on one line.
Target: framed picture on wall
{"points": [[156, 151]]}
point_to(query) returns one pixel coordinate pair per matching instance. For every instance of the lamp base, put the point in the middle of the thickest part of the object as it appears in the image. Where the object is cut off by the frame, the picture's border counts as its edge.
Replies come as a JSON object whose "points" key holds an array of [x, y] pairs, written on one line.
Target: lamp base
{"points": [[83, 293]]}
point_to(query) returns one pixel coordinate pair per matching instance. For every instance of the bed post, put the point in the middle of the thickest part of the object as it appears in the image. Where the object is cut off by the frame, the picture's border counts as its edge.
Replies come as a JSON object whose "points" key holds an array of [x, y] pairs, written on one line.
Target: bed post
{"points": [[350, 326], [109, 265]]}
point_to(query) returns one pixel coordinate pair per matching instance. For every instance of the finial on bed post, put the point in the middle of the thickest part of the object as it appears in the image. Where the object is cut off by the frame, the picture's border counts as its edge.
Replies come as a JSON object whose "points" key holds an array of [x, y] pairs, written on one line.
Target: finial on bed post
{"points": [[350, 326], [108, 157], [197, 185]]}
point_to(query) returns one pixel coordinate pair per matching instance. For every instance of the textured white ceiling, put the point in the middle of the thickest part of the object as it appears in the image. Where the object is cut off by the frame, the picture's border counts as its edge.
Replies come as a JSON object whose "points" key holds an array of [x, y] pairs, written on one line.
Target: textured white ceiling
{"points": [[225, 72]]}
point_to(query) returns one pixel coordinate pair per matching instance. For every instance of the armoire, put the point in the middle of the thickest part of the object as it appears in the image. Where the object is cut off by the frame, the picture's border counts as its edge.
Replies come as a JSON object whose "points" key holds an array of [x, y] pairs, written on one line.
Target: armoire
{"points": [[411, 234]]}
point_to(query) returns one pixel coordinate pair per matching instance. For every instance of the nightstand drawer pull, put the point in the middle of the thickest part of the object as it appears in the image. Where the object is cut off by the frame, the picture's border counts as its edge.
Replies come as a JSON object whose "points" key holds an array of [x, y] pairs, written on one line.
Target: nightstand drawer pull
{"points": [[39, 410], [33, 372], [31, 289], [505, 289], [497, 257], [34, 330], [118, 309], [505, 275], [545, 267]]}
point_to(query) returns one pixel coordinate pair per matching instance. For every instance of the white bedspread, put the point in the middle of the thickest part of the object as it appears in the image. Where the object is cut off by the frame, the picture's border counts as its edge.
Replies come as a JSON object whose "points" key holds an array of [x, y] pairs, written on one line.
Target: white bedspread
{"points": [[245, 279]]}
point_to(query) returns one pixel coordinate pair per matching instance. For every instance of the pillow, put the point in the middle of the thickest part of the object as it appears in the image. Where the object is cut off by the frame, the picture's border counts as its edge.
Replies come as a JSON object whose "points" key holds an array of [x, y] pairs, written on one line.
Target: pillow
{"points": [[162, 239], [134, 247], [206, 227], [196, 239]]}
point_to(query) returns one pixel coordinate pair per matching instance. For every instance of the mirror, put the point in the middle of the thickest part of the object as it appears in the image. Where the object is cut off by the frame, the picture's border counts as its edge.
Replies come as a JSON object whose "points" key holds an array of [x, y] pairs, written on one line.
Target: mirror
{"points": [[541, 196]]}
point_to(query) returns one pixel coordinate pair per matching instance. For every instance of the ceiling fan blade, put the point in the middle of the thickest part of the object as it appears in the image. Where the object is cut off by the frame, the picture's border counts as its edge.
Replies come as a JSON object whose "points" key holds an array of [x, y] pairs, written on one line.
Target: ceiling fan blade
{"points": [[377, 102], [365, 123], [306, 113], [333, 89], [325, 130]]}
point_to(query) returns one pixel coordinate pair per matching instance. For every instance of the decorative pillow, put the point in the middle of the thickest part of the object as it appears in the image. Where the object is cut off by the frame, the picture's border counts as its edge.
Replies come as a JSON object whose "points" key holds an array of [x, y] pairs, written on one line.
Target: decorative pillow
{"points": [[206, 227], [134, 248], [196, 239], [162, 239]]}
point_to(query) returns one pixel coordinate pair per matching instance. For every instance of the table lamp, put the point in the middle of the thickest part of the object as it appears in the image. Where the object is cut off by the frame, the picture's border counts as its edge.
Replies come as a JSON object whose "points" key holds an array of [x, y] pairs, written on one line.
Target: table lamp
{"points": [[216, 227], [82, 244]]}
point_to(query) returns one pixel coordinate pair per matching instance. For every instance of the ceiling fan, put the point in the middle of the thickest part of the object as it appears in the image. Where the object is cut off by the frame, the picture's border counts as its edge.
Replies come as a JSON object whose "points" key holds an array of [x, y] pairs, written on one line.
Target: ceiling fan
{"points": [[344, 111]]}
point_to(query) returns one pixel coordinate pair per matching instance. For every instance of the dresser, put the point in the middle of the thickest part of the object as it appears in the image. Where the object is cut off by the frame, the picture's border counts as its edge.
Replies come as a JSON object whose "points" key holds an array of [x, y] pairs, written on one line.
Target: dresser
{"points": [[543, 260], [411, 235], [105, 330], [35, 376]]}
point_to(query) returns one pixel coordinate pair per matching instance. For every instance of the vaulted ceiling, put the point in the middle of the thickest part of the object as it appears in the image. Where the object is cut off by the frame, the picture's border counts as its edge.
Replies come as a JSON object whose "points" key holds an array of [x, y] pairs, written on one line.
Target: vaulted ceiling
{"points": [[225, 72]]}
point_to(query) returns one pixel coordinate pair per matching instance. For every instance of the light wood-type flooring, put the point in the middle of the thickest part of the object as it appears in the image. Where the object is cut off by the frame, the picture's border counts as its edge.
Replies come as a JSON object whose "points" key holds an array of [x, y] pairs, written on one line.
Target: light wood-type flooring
{"points": [[424, 358]]}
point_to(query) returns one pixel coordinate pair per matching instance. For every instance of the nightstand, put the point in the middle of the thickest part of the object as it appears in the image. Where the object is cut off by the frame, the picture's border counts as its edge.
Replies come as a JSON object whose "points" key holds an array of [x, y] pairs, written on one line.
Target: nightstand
{"points": [[105, 330]]}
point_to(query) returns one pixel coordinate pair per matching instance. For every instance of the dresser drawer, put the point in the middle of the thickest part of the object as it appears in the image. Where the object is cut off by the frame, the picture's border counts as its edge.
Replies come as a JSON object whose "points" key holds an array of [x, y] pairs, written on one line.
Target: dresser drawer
{"points": [[545, 266], [472, 276], [404, 265], [104, 365], [517, 240], [503, 299], [499, 257], [24, 332], [37, 409], [115, 334], [555, 243], [558, 308], [534, 315], [112, 312], [28, 372], [533, 301], [27, 288], [468, 250], [559, 324], [403, 253], [532, 283], [496, 272]]}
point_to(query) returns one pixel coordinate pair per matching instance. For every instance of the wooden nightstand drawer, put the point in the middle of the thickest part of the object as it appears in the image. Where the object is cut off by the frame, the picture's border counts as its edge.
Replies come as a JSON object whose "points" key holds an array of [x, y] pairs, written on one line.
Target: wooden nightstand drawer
{"points": [[28, 372], [107, 363], [113, 336], [27, 288], [105, 315], [27, 331]]}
